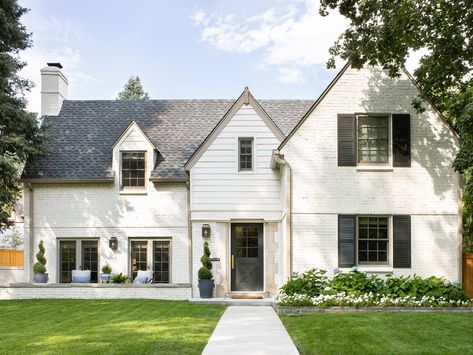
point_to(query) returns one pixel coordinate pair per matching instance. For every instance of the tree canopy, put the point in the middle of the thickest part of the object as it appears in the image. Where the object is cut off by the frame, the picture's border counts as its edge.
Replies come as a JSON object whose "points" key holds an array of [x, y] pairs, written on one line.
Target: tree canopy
{"points": [[21, 136], [133, 90], [386, 32]]}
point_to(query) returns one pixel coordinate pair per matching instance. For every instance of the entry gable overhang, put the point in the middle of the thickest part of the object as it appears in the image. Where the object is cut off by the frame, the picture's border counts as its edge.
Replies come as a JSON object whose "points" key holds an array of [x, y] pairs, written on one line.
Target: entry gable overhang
{"points": [[246, 98]]}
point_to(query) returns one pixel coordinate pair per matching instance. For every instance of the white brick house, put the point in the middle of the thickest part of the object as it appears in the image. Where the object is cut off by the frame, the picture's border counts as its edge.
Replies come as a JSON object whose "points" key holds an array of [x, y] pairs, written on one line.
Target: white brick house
{"points": [[355, 178]]}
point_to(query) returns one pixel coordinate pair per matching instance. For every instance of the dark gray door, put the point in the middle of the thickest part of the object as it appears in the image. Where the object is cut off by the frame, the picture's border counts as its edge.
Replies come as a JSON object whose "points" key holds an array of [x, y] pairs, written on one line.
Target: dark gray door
{"points": [[247, 257]]}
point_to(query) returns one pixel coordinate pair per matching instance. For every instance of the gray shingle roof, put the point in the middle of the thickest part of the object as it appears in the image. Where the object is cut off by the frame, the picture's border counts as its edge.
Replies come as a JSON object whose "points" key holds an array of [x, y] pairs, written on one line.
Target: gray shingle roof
{"points": [[83, 133]]}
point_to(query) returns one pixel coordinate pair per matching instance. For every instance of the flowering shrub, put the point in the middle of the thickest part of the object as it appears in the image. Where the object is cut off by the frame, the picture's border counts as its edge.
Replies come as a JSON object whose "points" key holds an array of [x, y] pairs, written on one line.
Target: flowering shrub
{"points": [[357, 289], [366, 300]]}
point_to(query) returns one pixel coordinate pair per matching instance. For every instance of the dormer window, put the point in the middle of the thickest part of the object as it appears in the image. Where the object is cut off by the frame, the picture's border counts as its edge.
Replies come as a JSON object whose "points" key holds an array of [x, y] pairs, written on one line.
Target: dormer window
{"points": [[245, 158], [133, 169]]}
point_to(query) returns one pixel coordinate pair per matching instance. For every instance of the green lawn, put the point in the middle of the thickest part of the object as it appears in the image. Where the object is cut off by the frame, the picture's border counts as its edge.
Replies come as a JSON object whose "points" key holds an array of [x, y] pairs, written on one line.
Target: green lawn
{"points": [[105, 326], [382, 333]]}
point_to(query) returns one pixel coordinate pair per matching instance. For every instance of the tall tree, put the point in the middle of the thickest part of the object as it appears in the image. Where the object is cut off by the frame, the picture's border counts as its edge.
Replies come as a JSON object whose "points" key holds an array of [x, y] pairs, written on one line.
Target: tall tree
{"points": [[21, 136], [133, 90], [386, 32]]}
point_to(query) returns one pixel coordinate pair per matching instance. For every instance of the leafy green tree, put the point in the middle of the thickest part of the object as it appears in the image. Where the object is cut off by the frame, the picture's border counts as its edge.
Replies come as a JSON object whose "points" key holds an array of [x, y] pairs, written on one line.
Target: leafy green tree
{"points": [[386, 32], [21, 136], [133, 90]]}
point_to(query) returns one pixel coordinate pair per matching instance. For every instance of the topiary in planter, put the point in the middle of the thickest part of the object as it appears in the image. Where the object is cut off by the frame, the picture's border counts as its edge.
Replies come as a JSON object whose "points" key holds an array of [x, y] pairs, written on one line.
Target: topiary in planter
{"points": [[39, 268], [106, 273], [206, 284]]}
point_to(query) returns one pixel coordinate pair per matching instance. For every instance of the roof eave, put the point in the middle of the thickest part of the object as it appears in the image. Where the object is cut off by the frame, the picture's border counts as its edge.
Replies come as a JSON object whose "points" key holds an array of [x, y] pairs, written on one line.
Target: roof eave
{"points": [[67, 181]]}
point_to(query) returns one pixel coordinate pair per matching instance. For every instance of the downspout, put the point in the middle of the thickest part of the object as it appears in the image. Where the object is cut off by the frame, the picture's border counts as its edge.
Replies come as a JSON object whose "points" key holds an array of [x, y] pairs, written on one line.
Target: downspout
{"points": [[280, 161], [461, 185], [31, 234], [189, 233]]}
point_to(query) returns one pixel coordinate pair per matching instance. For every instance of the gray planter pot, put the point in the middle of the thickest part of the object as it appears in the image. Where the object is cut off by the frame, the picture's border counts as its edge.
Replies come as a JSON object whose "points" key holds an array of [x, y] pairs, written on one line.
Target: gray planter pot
{"points": [[41, 278], [206, 288]]}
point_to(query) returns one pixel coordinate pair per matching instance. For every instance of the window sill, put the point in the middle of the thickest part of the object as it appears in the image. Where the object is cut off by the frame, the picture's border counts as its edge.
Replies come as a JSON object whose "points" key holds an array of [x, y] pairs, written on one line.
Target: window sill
{"points": [[376, 269], [133, 192], [374, 168]]}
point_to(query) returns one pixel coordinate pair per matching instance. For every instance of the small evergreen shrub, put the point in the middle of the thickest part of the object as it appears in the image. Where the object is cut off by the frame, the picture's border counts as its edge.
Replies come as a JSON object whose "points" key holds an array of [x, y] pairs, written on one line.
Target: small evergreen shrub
{"points": [[310, 283], [119, 279], [106, 269], [40, 266], [205, 272]]}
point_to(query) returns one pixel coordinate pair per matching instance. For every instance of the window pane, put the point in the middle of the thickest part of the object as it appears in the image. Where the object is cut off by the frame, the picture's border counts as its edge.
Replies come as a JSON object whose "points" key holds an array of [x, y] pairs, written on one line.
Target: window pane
{"points": [[373, 239], [133, 169], [139, 251], [161, 261], [90, 258], [373, 139], [245, 153], [67, 250]]}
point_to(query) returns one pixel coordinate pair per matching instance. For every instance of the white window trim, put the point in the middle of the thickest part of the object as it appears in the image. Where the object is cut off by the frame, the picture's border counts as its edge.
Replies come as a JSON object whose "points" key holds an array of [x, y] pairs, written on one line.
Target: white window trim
{"points": [[375, 166], [149, 253]]}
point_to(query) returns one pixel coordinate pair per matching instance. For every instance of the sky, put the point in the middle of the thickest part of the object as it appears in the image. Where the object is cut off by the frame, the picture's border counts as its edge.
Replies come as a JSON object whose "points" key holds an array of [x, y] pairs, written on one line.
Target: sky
{"points": [[182, 49]]}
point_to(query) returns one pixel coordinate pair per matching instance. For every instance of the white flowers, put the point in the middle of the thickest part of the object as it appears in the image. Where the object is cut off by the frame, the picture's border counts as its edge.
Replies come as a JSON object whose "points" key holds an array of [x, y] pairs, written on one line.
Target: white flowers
{"points": [[365, 300]]}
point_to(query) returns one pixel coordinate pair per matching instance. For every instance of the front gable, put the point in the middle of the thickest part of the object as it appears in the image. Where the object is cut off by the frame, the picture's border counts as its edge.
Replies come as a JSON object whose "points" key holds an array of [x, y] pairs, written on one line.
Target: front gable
{"points": [[221, 185], [246, 99]]}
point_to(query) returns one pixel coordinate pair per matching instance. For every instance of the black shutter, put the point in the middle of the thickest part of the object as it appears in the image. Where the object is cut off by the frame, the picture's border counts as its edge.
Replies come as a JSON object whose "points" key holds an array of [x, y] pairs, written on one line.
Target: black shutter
{"points": [[346, 241], [346, 140], [402, 241], [402, 140]]}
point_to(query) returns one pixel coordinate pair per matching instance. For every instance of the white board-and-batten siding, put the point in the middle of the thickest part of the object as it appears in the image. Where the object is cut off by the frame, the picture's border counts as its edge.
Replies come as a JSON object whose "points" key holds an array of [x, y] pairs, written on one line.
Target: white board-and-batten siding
{"points": [[217, 185]]}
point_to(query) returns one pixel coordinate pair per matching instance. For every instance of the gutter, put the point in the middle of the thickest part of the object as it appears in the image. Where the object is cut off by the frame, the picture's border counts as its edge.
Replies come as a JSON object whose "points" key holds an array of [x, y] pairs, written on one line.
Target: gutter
{"points": [[278, 161], [158, 180], [67, 181]]}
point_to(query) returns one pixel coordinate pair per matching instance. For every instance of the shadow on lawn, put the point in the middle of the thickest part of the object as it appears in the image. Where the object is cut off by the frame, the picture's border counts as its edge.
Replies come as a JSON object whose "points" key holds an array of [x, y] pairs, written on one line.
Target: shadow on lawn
{"points": [[115, 326]]}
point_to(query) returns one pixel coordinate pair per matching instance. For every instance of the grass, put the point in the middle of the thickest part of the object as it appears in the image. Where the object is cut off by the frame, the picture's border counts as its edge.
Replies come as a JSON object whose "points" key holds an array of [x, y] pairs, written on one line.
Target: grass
{"points": [[105, 326], [382, 333]]}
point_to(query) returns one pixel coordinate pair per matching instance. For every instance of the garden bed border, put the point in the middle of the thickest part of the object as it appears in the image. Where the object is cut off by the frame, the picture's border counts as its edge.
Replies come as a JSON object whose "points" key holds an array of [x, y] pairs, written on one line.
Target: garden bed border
{"points": [[285, 310]]}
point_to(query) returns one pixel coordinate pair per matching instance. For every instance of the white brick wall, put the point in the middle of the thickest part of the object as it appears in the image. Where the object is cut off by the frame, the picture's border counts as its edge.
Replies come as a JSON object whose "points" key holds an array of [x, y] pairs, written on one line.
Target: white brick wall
{"points": [[11, 274], [428, 190], [100, 211], [181, 292]]}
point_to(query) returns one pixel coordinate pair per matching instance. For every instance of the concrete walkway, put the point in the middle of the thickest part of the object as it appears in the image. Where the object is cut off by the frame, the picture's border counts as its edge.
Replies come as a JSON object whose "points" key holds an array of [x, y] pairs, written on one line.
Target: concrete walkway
{"points": [[250, 330]]}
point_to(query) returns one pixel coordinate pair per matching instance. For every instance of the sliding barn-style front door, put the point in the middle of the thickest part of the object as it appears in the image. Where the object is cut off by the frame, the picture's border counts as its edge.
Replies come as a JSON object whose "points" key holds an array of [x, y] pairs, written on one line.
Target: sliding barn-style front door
{"points": [[247, 257]]}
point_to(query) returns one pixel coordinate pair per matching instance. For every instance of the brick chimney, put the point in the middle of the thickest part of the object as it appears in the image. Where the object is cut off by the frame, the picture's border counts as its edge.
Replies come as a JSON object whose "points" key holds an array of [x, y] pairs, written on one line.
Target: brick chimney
{"points": [[53, 89]]}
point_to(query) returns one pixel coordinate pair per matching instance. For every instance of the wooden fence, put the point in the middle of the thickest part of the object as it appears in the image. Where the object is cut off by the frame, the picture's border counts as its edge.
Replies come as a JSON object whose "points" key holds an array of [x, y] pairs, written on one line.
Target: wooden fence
{"points": [[468, 274], [10, 257]]}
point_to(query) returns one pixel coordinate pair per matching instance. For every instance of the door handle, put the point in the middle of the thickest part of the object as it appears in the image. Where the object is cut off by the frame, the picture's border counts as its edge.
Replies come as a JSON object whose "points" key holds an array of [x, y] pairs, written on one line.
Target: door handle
{"points": [[233, 261]]}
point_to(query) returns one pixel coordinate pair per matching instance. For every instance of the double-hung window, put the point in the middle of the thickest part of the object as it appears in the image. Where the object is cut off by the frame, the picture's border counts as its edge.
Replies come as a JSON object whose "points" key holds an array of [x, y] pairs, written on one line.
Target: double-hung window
{"points": [[373, 139], [373, 240], [245, 154], [133, 168]]}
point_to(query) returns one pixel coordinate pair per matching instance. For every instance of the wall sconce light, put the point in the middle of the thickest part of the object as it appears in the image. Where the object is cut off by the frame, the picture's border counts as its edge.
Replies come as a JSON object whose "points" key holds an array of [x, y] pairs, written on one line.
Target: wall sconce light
{"points": [[113, 243], [206, 231]]}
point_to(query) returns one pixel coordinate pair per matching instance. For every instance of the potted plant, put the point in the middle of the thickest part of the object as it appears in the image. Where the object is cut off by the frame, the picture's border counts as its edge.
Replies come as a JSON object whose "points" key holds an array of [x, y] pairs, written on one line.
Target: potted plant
{"points": [[119, 279], [106, 273], [39, 268], [206, 283]]}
